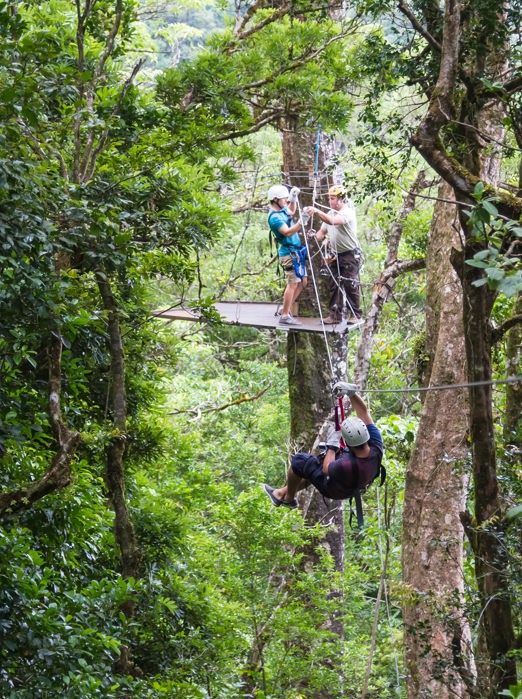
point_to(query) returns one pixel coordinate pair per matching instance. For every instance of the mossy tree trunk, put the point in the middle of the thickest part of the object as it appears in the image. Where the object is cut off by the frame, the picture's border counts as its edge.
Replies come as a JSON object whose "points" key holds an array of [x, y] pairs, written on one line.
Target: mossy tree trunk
{"points": [[314, 362], [437, 639]]}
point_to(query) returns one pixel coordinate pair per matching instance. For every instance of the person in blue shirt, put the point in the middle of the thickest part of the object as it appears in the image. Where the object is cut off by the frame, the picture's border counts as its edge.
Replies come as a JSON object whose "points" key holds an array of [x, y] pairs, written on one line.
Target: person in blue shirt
{"points": [[340, 471], [283, 206]]}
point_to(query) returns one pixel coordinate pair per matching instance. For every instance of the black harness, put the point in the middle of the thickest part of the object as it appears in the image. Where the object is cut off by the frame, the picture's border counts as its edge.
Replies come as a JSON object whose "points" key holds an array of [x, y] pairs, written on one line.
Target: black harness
{"points": [[353, 493]]}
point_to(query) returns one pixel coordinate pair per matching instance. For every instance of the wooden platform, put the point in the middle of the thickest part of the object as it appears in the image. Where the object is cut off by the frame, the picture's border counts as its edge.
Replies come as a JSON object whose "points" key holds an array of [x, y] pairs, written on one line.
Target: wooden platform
{"points": [[257, 315]]}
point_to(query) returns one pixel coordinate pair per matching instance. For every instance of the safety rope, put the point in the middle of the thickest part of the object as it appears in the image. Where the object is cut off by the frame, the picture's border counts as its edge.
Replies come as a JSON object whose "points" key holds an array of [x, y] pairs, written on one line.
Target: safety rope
{"points": [[240, 249], [383, 532], [317, 150], [316, 289]]}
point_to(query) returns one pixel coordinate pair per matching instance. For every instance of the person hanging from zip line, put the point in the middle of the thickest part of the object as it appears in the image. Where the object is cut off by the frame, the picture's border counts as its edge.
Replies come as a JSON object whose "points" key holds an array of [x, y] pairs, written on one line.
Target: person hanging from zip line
{"points": [[283, 206], [339, 227], [340, 470]]}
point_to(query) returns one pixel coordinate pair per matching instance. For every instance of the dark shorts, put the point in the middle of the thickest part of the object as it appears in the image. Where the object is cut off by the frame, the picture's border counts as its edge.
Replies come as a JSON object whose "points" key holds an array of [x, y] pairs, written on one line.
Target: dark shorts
{"points": [[308, 466]]}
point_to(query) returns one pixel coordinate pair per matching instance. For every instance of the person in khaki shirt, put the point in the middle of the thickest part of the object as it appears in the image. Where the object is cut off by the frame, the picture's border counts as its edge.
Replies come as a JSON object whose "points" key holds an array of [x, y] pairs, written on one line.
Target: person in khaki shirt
{"points": [[339, 227]]}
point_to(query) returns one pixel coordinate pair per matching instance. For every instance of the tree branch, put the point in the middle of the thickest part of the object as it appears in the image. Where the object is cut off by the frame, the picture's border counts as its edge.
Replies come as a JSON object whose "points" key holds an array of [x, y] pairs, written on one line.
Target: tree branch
{"points": [[58, 475], [241, 33], [244, 398], [418, 26], [498, 333]]}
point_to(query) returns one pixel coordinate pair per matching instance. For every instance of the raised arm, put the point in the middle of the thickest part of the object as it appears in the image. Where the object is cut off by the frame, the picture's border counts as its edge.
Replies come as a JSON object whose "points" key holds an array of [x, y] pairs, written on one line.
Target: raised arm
{"points": [[361, 409], [342, 388]]}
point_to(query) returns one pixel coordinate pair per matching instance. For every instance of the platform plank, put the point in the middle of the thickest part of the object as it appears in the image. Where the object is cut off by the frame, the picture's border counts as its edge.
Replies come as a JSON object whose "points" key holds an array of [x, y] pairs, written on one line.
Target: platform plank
{"points": [[257, 315]]}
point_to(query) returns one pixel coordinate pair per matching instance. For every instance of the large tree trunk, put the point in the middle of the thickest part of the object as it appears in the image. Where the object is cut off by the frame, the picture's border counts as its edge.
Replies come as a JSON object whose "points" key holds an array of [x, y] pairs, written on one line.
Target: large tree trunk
{"points": [[498, 670], [436, 634], [481, 132], [490, 555], [310, 361]]}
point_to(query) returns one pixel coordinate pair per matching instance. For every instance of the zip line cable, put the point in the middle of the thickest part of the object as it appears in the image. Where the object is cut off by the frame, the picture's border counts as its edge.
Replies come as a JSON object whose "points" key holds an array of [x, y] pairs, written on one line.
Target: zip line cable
{"points": [[448, 387]]}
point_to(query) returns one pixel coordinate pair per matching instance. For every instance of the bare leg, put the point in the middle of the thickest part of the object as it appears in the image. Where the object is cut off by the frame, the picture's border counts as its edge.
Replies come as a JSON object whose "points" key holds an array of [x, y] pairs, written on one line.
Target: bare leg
{"points": [[288, 299], [298, 288], [293, 485]]}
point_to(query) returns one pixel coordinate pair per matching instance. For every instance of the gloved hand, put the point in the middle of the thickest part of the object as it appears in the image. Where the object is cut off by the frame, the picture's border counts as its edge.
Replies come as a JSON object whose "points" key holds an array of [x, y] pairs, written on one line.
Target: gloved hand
{"points": [[321, 450], [323, 447], [305, 218], [342, 388], [294, 193], [333, 440]]}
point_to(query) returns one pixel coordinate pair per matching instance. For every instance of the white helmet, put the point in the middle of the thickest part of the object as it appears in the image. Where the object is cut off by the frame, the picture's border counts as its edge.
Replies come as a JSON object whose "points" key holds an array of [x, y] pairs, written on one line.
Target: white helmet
{"points": [[277, 191], [354, 432]]}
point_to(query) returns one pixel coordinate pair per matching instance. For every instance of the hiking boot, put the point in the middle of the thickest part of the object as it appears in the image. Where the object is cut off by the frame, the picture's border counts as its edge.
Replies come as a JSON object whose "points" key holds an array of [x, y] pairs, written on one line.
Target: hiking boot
{"points": [[330, 321]]}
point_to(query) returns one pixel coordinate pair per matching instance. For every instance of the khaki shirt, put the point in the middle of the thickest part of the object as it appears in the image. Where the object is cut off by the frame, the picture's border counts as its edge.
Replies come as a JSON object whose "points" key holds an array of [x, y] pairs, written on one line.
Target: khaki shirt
{"points": [[343, 238]]}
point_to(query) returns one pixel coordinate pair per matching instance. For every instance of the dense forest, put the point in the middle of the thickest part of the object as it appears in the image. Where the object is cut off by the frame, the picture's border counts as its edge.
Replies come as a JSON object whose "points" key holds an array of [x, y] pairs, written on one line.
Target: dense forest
{"points": [[140, 556]]}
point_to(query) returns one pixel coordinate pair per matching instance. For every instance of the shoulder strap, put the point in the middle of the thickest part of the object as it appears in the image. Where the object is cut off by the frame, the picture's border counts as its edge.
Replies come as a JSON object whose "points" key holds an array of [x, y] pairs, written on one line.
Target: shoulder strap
{"points": [[358, 508], [280, 238], [356, 493]]}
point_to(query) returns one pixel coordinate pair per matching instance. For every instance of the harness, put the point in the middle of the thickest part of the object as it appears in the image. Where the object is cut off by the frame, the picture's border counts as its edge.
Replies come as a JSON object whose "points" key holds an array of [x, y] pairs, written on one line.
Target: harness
{"points": [[354, 492]]}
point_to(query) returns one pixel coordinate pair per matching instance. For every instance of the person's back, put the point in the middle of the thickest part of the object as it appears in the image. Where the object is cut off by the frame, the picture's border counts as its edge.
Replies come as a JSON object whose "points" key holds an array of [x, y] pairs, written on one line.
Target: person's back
{"points": [[355, 470]]}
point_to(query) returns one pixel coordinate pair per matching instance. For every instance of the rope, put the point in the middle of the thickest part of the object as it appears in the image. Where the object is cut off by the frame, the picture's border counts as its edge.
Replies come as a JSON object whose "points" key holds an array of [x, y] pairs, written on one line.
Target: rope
{"points": [[316, 291], [447, 387], [317, 145], [385, 586]]}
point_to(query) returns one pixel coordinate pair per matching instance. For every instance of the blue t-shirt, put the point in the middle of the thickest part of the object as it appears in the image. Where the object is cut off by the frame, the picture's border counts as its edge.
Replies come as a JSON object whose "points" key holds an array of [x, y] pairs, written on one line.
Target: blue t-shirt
{"points": [[276, 220]]}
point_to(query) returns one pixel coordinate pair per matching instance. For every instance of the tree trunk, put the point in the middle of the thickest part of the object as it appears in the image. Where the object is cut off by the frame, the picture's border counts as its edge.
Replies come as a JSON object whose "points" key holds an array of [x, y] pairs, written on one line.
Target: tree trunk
{"points": [[58, 475], [513, 415], [481, 134], [436, 632], [496, 623], [310, 360], [498, 670], [114, 472]]}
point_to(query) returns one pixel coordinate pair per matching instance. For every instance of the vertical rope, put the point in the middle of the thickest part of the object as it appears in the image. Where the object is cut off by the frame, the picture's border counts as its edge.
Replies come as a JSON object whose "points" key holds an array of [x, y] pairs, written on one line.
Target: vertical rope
{"points": [[316, 290], [384, 563], [317, 147]]}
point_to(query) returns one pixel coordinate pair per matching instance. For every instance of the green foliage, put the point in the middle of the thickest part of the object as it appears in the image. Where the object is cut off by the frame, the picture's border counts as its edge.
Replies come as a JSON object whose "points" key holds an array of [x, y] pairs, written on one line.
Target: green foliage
{"points": [[59, 625], [273, 68], [222, 571], [498, 258], [514, 691]]}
